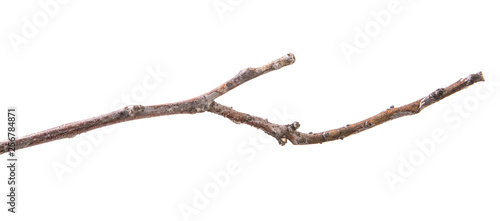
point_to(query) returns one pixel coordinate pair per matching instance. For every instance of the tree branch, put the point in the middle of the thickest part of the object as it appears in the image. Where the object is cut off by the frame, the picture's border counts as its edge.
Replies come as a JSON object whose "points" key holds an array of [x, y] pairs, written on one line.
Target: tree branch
{"points": [[205, 102], [289, 132]]}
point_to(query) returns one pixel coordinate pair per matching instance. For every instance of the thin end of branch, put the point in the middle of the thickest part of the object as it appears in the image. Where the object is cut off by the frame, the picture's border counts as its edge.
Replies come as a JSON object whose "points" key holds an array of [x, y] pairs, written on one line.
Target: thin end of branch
{"points": [[441, 93], [387, 115], [249, 74]]}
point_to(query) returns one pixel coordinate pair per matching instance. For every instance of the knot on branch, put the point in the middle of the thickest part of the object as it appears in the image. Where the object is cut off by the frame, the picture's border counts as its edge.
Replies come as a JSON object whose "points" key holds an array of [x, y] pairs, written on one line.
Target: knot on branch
{"points": [[132, 110], [432, 98], [293, 126], [282, 132]]}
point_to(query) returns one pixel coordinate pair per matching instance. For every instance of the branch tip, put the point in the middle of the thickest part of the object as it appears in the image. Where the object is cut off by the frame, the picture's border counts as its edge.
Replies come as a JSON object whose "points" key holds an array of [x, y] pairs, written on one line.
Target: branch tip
{"points": [[474, 78]]}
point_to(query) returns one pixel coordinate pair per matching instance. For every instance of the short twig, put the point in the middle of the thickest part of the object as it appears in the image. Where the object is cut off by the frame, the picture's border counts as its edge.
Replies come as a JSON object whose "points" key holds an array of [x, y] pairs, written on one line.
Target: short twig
{"points": [[205, 102]]}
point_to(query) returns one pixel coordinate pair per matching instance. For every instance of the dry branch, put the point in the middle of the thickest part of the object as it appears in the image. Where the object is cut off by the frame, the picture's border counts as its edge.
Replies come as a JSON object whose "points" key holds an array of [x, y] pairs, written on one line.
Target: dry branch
{"points": [[205, 102]]}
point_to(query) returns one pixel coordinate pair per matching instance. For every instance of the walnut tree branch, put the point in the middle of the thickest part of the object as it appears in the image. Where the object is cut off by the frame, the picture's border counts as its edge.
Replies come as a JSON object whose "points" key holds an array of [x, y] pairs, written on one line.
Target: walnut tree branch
{"points": [[205, 102]]}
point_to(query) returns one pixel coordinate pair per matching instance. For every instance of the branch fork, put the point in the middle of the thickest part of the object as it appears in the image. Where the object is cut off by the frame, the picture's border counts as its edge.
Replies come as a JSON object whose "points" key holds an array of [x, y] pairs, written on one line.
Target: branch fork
{"points": [[206, 103]]}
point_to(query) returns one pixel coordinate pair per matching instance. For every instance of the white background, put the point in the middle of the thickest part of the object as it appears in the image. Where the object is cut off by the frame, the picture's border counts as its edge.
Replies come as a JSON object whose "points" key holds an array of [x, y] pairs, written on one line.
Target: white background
{"points": [[91, 54]]}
